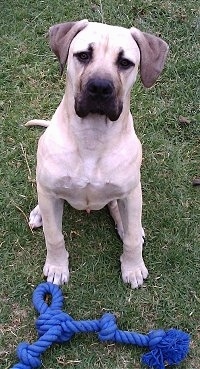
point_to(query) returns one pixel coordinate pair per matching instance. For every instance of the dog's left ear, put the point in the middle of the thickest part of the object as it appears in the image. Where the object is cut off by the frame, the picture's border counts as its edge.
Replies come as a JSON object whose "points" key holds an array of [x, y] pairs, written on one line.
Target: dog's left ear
{"points": [[153, 51], [61, 36]]}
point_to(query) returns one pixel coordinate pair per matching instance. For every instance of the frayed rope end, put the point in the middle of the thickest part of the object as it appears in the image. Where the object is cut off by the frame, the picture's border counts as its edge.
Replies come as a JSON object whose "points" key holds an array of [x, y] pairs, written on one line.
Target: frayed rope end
{"points": [[171, 349]]}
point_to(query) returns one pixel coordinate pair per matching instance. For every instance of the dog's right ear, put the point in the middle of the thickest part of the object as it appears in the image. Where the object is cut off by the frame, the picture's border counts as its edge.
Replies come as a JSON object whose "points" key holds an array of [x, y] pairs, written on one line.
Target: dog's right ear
{"points": [[61, 36]]}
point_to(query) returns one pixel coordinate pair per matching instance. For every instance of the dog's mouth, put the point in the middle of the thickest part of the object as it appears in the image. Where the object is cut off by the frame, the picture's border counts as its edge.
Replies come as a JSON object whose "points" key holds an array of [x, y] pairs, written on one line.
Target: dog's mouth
{"points": [[98, 97], [84, 108]]}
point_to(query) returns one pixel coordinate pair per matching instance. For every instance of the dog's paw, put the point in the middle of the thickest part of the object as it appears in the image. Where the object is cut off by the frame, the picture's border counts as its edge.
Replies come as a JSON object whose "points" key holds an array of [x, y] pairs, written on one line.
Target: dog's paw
{"points": [[134, 273], [56, 274], [35, 218]]}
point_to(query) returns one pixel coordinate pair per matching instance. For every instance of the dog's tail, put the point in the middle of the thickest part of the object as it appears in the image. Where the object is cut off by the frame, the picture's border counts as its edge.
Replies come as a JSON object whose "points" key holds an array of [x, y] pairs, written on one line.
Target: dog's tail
{"points": [[38, 122]]}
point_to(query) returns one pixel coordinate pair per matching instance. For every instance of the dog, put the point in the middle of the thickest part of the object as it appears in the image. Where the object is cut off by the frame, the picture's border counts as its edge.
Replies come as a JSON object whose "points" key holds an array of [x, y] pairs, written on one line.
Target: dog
{"points": [[89, 155]]}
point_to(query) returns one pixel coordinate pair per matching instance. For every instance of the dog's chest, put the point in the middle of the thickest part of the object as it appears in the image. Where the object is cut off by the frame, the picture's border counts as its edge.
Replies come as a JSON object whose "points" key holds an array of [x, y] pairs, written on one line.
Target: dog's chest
{"points": [[85, 193], [89, 184], [88, 179]]}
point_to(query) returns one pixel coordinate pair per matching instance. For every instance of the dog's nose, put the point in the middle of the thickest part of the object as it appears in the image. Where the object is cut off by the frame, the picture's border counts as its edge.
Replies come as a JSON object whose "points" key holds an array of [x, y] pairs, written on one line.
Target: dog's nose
{"points": [[100, 88]]}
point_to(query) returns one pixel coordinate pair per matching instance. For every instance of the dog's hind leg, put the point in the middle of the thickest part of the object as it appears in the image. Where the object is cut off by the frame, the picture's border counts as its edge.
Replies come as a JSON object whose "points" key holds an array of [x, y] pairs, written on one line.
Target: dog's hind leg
{"points": [[114, 211], [35, 218]]}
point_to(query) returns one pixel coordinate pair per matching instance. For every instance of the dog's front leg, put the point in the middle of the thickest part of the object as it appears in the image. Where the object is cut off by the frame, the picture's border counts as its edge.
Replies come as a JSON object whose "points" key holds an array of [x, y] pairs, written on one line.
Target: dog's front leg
{"points": [[56, 265], [132, 265]]}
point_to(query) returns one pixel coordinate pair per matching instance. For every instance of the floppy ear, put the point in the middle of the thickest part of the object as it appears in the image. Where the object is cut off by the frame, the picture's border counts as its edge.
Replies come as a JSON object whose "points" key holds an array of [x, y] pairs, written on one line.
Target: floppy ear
{"points": [[61, 36], [153, 51]]}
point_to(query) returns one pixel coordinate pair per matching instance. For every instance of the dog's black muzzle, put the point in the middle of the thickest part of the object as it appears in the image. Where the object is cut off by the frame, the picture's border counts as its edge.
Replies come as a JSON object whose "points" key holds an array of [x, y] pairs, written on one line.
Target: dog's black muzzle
{"points": [[98, 97]]}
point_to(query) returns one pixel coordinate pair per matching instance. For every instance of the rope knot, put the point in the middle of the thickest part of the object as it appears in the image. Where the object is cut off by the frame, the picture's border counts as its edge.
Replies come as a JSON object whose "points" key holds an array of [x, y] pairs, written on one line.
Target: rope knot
{"points": [[56, 321], [108, 327], [27, 357], [155, 337]]}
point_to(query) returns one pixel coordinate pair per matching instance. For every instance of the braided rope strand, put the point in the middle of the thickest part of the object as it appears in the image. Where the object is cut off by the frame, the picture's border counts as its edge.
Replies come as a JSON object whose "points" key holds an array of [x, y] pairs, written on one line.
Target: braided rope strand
{"points": [[54, 326]]}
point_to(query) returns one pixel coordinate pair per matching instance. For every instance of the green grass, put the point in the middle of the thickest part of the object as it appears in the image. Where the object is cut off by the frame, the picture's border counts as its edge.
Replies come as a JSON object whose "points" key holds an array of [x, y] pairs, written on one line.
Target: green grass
{"points": [[31, 88]]}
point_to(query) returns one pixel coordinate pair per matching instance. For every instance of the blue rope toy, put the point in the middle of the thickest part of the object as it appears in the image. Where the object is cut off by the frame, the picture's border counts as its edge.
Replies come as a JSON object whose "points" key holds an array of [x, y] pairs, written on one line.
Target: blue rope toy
{"points": [[53, 325]]}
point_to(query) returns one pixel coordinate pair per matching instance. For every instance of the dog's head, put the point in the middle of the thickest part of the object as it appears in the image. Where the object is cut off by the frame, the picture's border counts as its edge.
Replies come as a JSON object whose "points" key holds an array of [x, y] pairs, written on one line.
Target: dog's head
{"points": [[102, 63]]}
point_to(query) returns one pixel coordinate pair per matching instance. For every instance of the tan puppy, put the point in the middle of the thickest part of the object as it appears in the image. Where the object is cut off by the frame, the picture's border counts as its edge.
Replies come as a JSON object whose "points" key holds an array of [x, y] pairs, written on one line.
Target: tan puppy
{"points": [[90, 155]]}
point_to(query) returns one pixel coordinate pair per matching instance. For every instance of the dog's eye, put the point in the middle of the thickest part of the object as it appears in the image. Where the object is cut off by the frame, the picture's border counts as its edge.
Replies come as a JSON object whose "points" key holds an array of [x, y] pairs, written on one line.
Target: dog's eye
{"points": [[125, 63], [83, 57]]}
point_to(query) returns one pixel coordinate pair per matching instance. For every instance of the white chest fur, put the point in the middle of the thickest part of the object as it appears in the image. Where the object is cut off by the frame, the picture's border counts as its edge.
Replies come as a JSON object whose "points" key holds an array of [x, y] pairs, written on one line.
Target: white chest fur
{"points": [[91, 173]]}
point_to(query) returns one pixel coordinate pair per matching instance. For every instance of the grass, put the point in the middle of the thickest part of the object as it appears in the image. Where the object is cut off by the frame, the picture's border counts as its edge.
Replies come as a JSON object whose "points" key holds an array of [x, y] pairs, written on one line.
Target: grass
{"points": [[31, 88]]}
